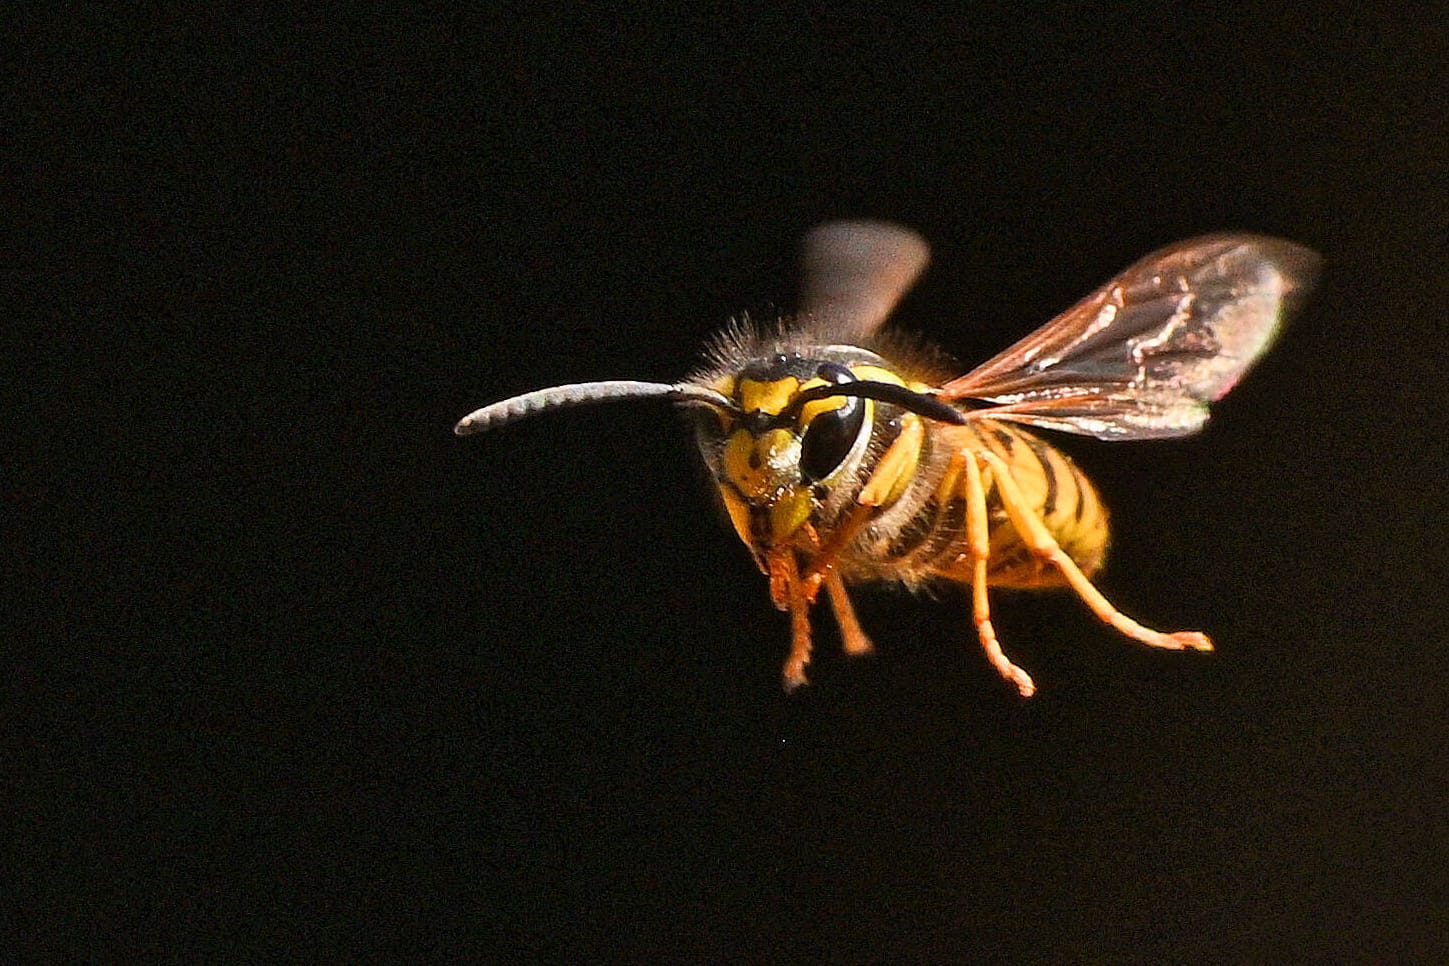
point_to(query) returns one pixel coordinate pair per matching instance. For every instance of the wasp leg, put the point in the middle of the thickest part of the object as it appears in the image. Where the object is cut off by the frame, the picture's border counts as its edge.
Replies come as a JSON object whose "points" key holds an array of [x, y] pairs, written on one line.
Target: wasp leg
{"points": [[827, 555], [785, 582], [1036, 536], [794, 670], [978, 536], [852, 637]]}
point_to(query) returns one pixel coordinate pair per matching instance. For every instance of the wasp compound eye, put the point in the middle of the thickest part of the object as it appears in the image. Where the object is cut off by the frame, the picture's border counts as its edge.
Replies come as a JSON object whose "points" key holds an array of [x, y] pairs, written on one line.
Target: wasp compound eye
{"points": [[830, 437]]}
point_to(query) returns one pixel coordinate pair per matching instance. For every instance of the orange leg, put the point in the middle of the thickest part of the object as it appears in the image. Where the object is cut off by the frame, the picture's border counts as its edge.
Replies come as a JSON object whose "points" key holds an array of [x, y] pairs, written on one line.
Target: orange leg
{"points": [[823, 563], [785, 582], [852, 637], [1036, 536], [978, 538]]}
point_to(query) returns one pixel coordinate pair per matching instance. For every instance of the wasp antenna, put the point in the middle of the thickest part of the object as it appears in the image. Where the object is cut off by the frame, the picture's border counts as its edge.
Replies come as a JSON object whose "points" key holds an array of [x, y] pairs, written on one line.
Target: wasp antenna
{"points": [[582, 394], [917, 402]]}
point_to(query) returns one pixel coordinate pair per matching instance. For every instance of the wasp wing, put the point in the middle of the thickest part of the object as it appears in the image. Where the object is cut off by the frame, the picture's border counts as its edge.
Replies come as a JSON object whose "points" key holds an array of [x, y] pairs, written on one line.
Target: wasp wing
{"points": [[1143, 355], [853, 274]]}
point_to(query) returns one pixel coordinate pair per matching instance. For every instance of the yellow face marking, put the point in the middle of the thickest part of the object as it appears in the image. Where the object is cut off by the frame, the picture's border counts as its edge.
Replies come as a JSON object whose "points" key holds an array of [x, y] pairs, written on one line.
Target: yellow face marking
{"points": [[756, 465], [767, 397], [739, 513]]}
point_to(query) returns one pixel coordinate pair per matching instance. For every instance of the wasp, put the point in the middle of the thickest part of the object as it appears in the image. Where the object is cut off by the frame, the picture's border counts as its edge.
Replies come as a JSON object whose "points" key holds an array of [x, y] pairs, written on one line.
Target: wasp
{"points": [[846, 453]]}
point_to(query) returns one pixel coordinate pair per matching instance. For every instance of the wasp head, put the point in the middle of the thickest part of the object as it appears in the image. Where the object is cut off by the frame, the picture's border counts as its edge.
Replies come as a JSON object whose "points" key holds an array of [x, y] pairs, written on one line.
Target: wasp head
{"points": [[795, 439]]}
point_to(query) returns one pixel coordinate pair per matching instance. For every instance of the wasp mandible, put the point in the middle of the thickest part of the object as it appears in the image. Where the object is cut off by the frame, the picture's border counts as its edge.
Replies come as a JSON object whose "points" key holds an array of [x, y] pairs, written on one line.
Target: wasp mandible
{"points": [[846, 453]]}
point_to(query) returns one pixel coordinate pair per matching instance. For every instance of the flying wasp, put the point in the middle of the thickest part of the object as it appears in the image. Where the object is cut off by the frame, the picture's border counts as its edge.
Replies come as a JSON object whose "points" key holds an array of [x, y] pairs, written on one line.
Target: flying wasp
{"points": [[846, 453]]}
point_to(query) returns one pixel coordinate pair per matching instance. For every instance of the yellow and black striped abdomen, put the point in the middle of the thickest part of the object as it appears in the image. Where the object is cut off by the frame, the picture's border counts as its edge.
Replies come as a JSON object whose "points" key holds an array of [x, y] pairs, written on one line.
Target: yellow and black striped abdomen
{"points": [[1059, 494], [932, 540]]}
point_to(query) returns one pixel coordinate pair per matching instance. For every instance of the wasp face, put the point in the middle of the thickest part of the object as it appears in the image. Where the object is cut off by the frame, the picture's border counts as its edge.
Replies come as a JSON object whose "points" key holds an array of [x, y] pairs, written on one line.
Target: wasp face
{"points": [[776, 460]]}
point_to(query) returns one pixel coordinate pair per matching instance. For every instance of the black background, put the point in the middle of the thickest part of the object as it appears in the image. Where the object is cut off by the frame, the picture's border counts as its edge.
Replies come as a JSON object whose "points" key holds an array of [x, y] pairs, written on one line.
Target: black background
{"points": [[296, 672]]}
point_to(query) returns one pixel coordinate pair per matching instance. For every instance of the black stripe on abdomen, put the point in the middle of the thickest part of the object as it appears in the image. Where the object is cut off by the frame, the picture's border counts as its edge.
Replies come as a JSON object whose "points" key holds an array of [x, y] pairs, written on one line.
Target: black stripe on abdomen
{"points": [[1039, 450]]}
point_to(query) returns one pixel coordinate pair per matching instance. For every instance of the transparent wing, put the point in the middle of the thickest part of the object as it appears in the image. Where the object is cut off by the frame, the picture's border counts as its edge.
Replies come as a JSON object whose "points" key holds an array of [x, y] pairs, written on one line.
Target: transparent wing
{"points": [[854, 273], [1143, 355]]}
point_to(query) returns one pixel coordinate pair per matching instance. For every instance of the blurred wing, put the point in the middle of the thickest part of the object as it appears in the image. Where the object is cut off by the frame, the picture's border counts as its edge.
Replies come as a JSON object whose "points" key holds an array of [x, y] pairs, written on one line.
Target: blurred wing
{"points": [[1143, 355], [853, 273]]}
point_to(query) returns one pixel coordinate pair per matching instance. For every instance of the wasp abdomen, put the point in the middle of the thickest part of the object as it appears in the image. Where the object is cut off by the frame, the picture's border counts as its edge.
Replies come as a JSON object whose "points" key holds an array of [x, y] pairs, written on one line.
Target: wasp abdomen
{"points": [[932, 541], [1060, 495]]}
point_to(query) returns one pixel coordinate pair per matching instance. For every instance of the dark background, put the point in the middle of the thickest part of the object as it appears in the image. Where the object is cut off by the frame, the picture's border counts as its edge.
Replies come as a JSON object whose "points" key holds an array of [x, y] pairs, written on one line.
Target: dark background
{"points": [[294, 671]]}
